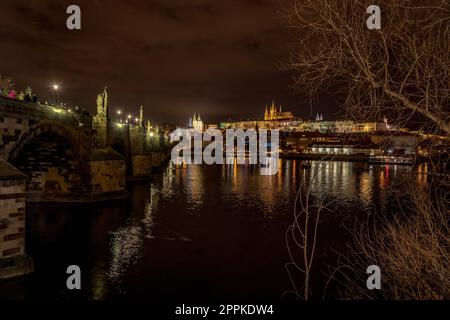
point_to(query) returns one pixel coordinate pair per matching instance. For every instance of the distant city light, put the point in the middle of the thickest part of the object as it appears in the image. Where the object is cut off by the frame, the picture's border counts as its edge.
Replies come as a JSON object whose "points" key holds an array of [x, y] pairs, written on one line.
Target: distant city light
{"points": [[119, 112], [129, 116], [55, 87]]}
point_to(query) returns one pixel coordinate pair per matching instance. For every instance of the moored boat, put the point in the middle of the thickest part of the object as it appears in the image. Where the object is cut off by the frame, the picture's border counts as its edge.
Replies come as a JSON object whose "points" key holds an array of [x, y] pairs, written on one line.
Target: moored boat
{"points": [[391, 160]]}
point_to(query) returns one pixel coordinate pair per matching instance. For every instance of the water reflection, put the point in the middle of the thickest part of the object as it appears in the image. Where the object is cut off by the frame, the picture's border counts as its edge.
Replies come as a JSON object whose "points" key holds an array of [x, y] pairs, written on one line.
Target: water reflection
{"points": [[193, 184], [151, 205], [126, 250], [220, 227], [230, 190]]}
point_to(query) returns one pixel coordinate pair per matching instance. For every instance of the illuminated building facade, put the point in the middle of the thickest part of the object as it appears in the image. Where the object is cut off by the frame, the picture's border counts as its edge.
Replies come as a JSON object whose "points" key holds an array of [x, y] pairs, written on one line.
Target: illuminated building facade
{"points": [[275, 113], [275, 118], [196, 123]]}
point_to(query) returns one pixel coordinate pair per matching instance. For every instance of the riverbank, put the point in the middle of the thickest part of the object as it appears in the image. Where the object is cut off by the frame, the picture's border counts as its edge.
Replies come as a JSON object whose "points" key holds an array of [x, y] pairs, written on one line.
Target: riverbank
{"points": [[307, 156], [349, 157], [76, 198]]}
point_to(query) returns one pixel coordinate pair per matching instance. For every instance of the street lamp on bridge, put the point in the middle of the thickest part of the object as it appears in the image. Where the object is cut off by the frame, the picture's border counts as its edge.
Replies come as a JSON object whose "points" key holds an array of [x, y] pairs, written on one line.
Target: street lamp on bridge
{"points": [[56, 88]]}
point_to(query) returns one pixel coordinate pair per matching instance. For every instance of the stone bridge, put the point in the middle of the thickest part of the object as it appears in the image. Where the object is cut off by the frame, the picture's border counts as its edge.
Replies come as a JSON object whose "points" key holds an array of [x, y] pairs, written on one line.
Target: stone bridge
{"points": [[69, 155], [52, 154]]}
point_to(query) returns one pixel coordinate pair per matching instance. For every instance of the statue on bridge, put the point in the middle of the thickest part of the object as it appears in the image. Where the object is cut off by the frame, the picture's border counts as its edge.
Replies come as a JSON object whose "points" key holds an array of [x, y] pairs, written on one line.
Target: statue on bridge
{"points": [[141, 117], [102, 103], [100, 122]]}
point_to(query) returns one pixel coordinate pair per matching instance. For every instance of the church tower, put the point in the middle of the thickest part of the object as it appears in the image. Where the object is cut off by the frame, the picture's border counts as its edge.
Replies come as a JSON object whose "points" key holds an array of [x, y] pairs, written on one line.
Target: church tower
{"points": [[266, 114], [273, 111], [276, 113], [100, 122], [197, 123]]}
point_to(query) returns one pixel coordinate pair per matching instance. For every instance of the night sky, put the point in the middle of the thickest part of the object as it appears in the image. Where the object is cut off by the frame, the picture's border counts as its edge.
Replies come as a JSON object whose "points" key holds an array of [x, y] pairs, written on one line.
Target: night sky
{"points": [[219, 58]]}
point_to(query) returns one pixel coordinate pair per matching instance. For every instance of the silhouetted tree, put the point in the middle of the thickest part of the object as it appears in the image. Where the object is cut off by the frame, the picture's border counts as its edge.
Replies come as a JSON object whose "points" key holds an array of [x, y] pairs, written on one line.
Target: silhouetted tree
{"points": [[400, 70]]}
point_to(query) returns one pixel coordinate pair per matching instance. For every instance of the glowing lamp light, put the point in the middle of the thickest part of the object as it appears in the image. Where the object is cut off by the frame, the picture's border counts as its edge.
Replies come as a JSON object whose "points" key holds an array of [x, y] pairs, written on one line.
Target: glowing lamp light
{"points": [[119, 112], [151, 134], [55, 87]]}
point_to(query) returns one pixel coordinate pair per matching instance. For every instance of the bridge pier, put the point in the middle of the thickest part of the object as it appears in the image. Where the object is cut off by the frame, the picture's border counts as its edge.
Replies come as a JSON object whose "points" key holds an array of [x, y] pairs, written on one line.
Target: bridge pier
{"points": [[107, 174], [144, 164], [13, 260], [141, 166]]}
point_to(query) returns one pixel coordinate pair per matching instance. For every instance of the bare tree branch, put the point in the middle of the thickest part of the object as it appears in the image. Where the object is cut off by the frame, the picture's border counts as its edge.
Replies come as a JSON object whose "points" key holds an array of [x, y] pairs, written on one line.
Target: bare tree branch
{"points": [[398, 71]]}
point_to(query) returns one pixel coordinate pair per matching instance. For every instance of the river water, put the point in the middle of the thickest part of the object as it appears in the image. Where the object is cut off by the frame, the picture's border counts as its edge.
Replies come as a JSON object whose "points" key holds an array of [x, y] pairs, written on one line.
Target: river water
{"points": [[197, 232]]}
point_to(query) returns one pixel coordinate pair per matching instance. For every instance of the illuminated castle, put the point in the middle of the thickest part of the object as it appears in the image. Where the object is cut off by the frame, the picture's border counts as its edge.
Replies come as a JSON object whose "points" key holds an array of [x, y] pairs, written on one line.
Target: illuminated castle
{"points": [[275, 113]]}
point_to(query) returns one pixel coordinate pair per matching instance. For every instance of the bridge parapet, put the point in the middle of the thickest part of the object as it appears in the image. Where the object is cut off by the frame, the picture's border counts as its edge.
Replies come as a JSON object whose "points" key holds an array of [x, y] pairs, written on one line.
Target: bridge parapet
{"points": [[38, 111]]}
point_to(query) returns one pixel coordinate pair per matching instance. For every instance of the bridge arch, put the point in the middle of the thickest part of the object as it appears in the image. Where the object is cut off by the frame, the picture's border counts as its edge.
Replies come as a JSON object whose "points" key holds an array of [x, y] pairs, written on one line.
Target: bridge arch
{"points": [[49, 154], [120, 146], [42, 128]]}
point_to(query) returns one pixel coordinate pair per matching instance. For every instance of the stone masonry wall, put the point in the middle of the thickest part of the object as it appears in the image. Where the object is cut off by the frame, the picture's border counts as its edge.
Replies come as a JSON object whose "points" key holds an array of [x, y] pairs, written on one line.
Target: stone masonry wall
{"points": [[108, 176], [10, 131], [12, 218], [142, 165], [157, 159]]}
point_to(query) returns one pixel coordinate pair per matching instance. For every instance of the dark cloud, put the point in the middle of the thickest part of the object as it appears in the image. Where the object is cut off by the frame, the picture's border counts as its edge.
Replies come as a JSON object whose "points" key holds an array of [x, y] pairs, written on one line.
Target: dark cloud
{"points": [[215, 57]]}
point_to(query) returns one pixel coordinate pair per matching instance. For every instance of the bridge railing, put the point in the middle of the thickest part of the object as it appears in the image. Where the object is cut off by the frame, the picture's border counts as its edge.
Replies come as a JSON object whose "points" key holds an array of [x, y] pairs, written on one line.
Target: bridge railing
{"points": [[38, 111]]}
